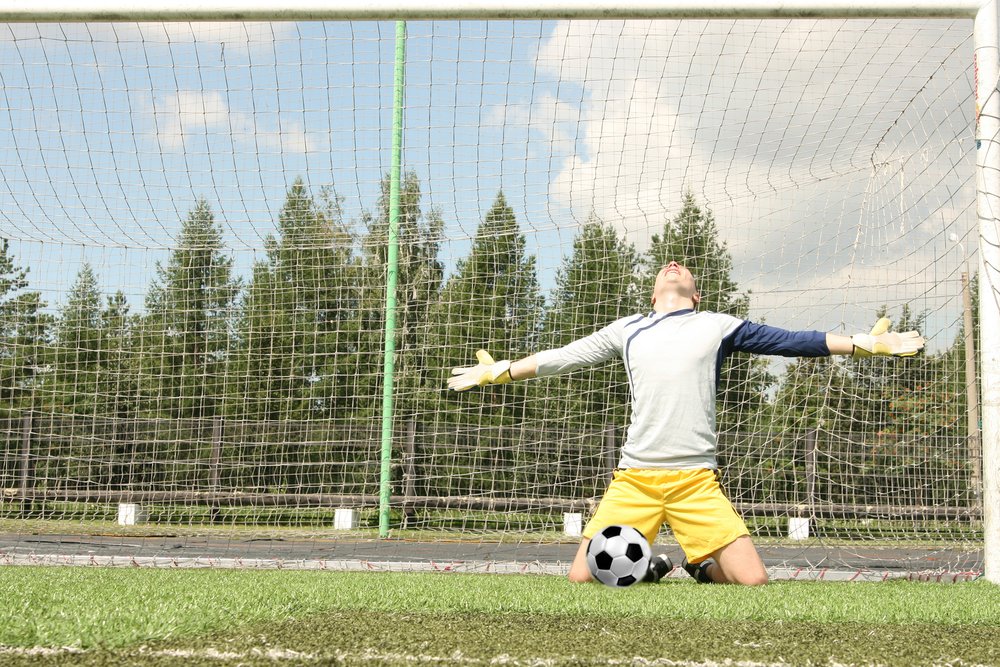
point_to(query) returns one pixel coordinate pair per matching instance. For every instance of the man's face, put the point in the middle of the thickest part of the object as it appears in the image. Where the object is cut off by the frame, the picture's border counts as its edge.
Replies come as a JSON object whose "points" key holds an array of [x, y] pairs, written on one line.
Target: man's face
{"points": [[675, 278]]}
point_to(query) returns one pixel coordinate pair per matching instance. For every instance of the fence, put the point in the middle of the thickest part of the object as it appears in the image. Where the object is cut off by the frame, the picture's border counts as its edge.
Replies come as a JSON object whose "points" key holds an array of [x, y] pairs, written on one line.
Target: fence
{"points": [[335, 463]]}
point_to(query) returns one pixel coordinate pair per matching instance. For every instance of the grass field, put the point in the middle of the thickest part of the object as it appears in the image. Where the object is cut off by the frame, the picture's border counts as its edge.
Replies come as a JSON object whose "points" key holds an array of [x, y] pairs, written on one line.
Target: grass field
{"points": [[96, 616]]}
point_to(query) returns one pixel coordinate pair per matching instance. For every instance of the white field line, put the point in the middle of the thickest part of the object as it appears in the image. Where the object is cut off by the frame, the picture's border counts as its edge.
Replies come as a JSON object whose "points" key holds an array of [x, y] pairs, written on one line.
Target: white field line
{"points": [[39, 650], [493, 567], [372, 655]]}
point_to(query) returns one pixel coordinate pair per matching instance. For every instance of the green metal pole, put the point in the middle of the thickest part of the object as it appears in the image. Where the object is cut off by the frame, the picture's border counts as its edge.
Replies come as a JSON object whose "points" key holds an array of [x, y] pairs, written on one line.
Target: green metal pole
{"points": [[391, 279]]}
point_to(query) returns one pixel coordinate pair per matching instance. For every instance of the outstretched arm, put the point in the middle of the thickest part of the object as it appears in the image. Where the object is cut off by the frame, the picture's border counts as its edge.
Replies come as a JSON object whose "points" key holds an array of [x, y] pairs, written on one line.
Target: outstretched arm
{"points": [[764, 339], [593, 349]]}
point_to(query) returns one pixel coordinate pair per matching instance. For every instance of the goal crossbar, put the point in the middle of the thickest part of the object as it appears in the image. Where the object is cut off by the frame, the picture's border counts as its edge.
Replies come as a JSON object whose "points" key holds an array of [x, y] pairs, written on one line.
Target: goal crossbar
{"points": [[318, 10]]}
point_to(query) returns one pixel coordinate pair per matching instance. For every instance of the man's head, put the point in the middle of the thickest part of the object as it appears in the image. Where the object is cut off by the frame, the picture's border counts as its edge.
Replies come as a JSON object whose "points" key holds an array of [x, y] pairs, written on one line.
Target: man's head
{"points": [[674, 289]]}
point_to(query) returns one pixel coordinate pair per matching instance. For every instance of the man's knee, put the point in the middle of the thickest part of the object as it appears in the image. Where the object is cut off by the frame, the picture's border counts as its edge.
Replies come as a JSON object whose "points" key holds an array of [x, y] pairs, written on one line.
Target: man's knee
{"points": [[752, 578], [739, 563]]}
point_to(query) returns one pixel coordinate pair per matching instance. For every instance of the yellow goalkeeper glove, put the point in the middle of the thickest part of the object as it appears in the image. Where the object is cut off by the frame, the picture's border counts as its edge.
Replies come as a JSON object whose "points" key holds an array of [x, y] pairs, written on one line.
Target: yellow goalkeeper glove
{"points": [[879, 342], [484, 373]]}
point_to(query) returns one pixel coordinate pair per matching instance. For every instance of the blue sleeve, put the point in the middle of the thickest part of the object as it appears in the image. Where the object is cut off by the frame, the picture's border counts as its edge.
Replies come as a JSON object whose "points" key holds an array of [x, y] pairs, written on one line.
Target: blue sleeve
{"points": [[764, 339]]}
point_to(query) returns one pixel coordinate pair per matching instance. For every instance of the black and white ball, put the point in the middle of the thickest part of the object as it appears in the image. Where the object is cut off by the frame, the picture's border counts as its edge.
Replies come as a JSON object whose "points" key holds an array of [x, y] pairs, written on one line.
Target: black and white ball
{"points": [[618, 556]]}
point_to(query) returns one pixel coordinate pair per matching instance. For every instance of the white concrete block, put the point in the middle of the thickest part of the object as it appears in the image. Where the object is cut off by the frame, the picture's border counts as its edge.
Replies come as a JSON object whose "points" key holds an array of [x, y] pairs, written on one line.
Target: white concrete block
{"points": [[344, 519], [130, 514], [798, 528], [573, 524]]}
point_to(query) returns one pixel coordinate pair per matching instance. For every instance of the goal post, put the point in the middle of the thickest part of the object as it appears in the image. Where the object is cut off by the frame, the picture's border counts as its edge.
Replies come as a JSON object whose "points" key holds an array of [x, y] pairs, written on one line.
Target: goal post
{"points": [[987, 65], [544, 155]]}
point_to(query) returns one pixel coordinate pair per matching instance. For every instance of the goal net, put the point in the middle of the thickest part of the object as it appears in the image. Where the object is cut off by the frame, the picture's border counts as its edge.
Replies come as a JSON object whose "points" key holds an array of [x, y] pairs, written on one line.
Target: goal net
{"points": [[195, 222]]}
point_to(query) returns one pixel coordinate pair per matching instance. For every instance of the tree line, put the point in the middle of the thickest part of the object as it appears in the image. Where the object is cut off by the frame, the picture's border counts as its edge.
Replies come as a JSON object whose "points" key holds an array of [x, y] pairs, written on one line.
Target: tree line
{"points": [[300, 341]]}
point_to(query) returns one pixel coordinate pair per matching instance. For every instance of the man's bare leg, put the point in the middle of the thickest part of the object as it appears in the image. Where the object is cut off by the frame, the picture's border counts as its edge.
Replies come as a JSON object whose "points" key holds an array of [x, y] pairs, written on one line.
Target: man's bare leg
{"points": [[737, 563], [579, 571]]}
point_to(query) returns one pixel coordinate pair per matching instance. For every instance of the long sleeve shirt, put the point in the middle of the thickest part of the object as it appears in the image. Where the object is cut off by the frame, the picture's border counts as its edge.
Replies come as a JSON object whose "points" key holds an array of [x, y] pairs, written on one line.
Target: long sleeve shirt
{"points": [[673, 363]]}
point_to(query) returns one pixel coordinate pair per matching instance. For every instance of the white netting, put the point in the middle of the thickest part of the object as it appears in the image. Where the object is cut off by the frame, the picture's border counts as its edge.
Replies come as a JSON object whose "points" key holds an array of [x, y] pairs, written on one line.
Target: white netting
{"points": [[202, 208]]}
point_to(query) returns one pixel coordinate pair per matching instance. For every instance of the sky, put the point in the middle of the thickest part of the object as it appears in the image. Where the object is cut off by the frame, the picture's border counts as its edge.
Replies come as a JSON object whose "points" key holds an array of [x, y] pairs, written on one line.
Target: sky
{"points": [[836, 156]]}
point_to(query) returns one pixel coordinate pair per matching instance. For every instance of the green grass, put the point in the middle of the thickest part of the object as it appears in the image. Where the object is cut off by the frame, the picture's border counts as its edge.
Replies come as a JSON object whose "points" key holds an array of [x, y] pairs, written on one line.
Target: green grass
{"points": [[140, 616]]}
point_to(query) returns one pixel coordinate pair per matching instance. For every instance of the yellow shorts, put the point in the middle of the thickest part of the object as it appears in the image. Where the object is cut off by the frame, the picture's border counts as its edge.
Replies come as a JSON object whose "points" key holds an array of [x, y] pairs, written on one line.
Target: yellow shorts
{"points": [[691, 502]]}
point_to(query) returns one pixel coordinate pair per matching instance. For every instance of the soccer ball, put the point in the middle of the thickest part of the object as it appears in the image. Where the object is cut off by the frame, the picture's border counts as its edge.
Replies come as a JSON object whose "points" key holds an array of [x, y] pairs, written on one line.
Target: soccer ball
{"points": [[618, 556]]}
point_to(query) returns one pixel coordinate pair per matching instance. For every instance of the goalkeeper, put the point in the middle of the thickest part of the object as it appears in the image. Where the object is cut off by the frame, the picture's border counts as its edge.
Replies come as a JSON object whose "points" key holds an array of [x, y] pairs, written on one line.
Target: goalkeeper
{"points": [[668, 470]]}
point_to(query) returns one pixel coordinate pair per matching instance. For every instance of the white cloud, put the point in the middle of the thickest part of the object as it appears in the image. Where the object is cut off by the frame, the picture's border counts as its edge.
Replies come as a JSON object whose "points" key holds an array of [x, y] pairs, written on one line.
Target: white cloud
{"points": [[834, 154], [292, 137], [189, 114], [714, 107], [186, 120]]}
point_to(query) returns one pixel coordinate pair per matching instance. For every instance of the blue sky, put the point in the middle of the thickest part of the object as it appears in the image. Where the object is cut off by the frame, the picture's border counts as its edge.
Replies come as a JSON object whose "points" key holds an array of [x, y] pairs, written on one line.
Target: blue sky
{"points": [[840, 183], [105, 146]]}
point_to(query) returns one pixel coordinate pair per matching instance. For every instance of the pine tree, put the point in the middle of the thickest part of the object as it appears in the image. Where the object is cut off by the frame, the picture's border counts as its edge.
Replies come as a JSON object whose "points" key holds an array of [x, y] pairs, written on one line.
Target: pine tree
{"points": [[902, 396], [295, 327], [78, 349], [94, 375], [491, 302], [692, 238], [815, 393], [598, 283], [952, 371], [418, 284], [298, 339], [187, 331], [24, 337], [118, 383]]}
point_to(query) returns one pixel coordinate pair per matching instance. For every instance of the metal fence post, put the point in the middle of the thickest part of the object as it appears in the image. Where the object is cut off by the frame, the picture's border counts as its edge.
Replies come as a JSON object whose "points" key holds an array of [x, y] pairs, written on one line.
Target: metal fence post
{"points": [[409, 472], [213, 470], [27, 481], [812, 456]]}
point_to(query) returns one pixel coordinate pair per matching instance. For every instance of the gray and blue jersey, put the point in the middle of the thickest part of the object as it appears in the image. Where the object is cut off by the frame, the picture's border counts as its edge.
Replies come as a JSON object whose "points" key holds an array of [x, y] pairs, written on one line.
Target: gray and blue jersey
{"points": [[673, 361]]}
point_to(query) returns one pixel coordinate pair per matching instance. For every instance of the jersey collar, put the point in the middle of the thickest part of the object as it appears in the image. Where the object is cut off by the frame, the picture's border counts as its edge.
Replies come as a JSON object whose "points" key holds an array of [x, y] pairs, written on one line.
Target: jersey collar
{"points": [[682, 311]]}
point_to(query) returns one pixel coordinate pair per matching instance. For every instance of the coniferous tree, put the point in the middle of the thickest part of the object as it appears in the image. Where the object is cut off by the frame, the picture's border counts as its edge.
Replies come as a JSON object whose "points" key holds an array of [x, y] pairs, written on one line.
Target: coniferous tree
{"points": [[118, 384], [692, 238], [94, 375], [877, 421], [24, 336], [951, 369], [187, 331], [297, 340], [598, 283], [78, 350], [418, 284], [814, 393], [295, 328], [491, 302], [903, 396]]}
